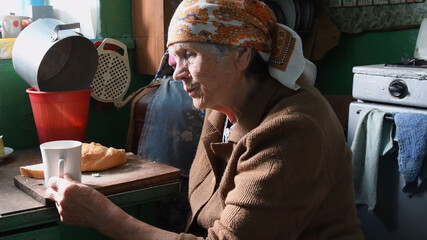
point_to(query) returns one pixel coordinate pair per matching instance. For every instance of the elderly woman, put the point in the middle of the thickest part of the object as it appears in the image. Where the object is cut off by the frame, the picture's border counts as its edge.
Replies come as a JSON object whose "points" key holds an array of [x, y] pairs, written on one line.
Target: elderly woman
{"points": [[272, 161]]}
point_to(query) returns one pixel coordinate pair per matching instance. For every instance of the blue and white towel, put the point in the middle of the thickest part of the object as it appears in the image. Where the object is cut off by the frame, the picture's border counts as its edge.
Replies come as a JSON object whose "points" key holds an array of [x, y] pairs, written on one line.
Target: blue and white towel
{"points": [[373, 138], [411, 136]]}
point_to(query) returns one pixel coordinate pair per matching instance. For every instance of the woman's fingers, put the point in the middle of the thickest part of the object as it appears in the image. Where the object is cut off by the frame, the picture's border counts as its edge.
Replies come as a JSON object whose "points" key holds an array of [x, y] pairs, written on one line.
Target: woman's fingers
{"points": [[68, 177], [59, 184], [52, 183], [74, 201], [52, 194], [56, 189], [52, 191]]}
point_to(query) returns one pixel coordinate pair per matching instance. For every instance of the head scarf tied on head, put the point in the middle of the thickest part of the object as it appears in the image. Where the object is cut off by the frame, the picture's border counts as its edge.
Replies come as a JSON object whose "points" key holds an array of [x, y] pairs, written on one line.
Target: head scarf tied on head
{"points": [[247, 23]]}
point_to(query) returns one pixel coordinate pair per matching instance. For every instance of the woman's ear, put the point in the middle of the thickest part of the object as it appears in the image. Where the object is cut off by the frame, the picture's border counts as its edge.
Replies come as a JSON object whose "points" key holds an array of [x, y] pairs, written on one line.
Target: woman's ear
{"points": [[243, 56]]}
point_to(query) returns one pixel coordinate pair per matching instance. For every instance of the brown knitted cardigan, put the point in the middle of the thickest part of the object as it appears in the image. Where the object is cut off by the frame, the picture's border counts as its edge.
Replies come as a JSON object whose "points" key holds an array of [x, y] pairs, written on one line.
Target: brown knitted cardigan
{"points": [[285, 173]]}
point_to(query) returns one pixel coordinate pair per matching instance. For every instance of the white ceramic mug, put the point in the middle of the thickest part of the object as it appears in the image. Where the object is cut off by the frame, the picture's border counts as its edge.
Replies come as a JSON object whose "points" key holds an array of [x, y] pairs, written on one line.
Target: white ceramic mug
{"points": [[12, 25], [62, 157]]}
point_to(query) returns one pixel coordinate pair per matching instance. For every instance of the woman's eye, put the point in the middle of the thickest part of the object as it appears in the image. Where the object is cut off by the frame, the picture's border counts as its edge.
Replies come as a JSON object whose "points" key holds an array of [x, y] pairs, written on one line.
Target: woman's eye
{"points": [[183, 57], [187, 55]]}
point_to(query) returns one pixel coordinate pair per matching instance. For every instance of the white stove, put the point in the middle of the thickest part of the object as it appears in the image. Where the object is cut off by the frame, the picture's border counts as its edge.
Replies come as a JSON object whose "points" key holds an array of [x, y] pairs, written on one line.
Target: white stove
{"points": [[394, 88], [387, 87], [391, 89], [391, 84]]}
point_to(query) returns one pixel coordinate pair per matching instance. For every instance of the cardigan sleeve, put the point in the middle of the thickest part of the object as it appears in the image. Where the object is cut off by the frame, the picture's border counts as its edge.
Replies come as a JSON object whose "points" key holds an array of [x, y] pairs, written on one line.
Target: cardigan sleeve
{"points": [[280, 178]]}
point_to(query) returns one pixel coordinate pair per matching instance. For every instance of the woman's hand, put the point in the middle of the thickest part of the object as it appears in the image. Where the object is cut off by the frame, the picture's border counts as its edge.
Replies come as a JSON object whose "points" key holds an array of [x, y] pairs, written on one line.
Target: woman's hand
{"points": [[78, 204], [81, 205]]}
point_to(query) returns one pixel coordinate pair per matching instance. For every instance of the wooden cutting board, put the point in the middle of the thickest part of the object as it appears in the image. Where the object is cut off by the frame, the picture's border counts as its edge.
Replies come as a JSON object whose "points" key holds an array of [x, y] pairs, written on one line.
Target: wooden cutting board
{"points": [[136, 173]]}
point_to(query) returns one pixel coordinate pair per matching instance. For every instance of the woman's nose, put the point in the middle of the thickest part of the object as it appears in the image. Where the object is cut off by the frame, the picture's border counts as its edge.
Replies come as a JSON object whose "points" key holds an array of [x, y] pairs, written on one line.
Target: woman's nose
{"points": [[181, 72]]}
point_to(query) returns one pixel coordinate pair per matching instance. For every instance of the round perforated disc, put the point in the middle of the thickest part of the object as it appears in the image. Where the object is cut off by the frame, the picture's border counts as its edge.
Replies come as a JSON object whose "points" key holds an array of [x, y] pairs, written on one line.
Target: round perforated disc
{"points": [[112, 78]]}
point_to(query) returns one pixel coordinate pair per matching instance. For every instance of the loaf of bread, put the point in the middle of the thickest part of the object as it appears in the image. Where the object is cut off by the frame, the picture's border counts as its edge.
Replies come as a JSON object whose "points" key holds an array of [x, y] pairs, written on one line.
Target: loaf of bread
{"points": [[33, 171], [96, 157]]}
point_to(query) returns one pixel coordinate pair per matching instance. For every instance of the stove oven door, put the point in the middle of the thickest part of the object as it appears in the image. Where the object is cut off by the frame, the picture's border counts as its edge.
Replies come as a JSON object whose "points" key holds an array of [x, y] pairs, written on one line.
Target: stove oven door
{"points": [[395, 216]]}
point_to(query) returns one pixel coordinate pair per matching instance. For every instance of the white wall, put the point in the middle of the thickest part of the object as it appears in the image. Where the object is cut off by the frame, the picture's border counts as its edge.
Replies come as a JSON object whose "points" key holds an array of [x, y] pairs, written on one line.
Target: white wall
{"points": [[86, 12], [83, 11], [10, 6]]}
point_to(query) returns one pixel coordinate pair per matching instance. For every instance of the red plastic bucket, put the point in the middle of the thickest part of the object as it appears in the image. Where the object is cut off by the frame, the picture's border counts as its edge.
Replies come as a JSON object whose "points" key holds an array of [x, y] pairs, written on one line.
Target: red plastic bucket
{"points": [[60, 115]]}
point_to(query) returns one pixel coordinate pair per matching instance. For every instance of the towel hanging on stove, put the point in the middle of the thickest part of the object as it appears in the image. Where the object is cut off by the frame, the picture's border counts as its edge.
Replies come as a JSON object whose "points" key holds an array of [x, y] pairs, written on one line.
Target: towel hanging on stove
{"points": [[411, 136], [373, 138]]}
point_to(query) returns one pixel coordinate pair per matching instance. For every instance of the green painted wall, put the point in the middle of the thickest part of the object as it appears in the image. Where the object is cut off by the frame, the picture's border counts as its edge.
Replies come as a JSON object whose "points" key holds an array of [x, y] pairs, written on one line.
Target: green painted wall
{"points": [[335, 74], [107, 125], [116, 19]]}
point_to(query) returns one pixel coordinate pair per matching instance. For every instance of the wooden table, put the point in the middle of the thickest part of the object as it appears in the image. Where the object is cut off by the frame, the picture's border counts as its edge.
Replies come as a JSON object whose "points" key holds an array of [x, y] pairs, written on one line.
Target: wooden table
{"points": [[22, 216]]}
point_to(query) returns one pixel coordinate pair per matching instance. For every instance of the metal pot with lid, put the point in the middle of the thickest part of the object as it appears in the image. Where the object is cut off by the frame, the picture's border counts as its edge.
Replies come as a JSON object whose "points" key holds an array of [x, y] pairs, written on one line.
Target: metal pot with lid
{"points": [[53, 56]]}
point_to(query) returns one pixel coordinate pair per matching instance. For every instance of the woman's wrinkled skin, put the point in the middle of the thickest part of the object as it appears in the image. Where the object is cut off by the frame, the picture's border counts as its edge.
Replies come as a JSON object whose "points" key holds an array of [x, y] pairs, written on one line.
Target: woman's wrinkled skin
{"points": [[214, 83]]}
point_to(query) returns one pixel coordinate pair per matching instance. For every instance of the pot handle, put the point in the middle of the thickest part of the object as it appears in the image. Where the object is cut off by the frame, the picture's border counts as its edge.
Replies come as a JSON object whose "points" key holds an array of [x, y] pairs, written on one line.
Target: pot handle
{"points": [[75, 26]]}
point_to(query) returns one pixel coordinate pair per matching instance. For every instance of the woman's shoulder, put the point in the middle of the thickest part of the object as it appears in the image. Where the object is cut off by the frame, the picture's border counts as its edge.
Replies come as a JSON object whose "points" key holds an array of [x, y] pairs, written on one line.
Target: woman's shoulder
{"points": [[305, 104], [285, 124], [307, 101], [300, 113]]}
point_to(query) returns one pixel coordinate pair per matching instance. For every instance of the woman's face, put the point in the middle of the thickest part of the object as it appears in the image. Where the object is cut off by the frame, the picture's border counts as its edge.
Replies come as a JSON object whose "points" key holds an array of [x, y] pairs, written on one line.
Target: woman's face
{"points": [[212, 83]]}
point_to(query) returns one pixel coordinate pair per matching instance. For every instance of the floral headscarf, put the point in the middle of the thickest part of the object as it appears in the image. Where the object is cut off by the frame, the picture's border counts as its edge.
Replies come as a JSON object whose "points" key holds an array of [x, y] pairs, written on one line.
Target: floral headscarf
{"points": [[248, 23]]}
